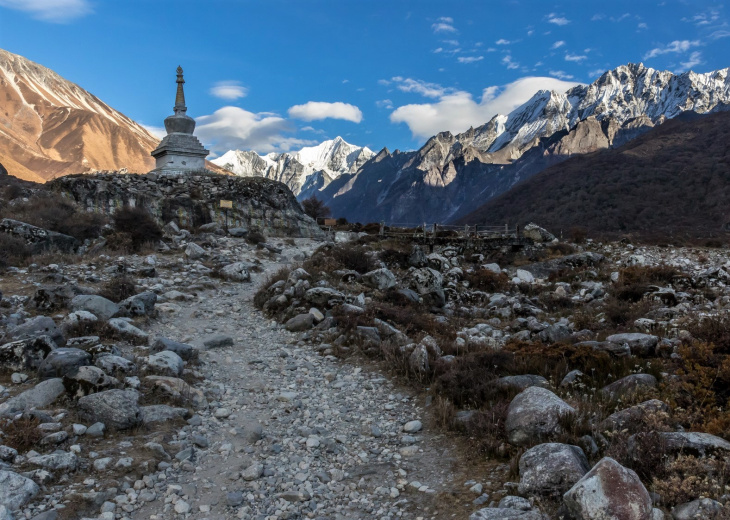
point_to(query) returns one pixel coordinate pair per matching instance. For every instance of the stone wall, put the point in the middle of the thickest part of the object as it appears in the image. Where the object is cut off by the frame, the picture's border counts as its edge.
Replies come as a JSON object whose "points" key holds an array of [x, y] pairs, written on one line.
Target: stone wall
{"points": [[194, 200]]}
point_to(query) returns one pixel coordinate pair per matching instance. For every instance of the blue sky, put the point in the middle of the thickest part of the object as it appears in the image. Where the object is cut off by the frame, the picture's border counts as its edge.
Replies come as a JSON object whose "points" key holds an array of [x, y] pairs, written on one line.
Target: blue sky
{"points": [[275, 75]]}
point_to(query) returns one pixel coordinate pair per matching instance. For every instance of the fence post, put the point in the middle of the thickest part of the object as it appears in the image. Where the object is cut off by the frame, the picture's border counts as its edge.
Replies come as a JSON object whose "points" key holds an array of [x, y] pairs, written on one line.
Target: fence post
{"points": [[382, 228]]}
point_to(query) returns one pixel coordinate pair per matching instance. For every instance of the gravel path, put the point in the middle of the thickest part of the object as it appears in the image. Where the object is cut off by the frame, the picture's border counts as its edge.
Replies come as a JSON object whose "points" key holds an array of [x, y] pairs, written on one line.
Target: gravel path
{"points": [[294, 434]]}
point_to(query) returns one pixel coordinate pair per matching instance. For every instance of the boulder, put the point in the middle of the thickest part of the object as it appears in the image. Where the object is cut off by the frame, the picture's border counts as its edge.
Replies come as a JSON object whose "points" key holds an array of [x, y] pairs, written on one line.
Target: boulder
{"points": [[39, 239], [524, 276], [629, 385], [62, 361], [522, 381], [194, 251], [97, 305], [323, 297], [702, 509], [159, 413], [633, 415], [609, 491], [238, 232], [236, 272], [25, 354], [639, 344], [537, 234], [615, 349], [125, 330], [117, 409], [40, 396], [428, 283], [16, 490], [699, 444], [417, 258], [218, 341], [78, 319], [165, 363], [35, 327], [185, 351], [551, 469], [87, 380], [380, 279], [56, 461], [178, 389], [54, 297], [534, 414], [116, 365], [142, 304], [418, 360], [300, 322]]}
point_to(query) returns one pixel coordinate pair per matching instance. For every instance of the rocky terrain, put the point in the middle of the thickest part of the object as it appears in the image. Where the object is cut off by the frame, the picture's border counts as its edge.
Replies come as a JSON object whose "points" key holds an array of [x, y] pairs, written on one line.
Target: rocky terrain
{"points": [[364, 377]]}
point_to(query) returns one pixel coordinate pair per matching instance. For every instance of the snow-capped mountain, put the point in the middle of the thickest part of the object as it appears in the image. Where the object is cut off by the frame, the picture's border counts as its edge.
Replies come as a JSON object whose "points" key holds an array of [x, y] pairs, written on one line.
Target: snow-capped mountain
{"points": [[454, 174], [306, 171], [51, 127]]}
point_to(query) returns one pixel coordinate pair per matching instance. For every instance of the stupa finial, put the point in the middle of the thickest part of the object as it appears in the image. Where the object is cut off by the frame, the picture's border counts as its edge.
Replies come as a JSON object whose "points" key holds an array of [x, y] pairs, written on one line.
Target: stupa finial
{"points": [[180, 95]]}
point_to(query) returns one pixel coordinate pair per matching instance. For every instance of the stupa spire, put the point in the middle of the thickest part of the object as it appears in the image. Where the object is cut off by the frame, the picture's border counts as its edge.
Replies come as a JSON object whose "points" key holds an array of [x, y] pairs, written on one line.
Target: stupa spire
{"points": [[180, 95]]}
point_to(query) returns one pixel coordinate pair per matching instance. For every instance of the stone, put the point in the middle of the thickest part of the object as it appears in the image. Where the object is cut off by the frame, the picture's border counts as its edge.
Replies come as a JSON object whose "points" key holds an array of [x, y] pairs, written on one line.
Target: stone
{"points": [[117, 409], [16, 490], [551, 469], [53, 297], [218, 341], [194, 252], [40, 396], [178, 389], [238, 232], [522, 381], [704, 508], [629, 385], [534, 414], [77, 320], [159, 413], [96, 430], [639, 344], [62, 361], [165, 363], [699, 444], [609, 491], [142, 304], [25, 354], [537, 234], [300, 322], [97, 305], [39, 239], [380, 279], [524, 276], [418, 360], [234, 498], [499, 513], [126, 330], [8, 454], [236, 272], [253, 472], [634, 414], [185, 351], [412, 426], [57, 461], [252, 431], [116, 365], [323, 297], [35, 327], [87, 380]]}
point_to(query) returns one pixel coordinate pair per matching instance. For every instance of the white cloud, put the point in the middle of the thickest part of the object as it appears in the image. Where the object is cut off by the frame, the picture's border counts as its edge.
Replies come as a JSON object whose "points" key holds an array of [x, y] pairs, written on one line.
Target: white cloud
{"points": [[56, 11], [432, 90], [575, 57], [598, 16], [440, 27], [469, 59], [384, 103], [455, 43], [561, 74], [438, 50], [315, 110], [233, 128], [502, 41], [507, 62], [694, 59], [558, 44], [676, 46], [228, 90], [557, 20], [596, 72], [457, 110], [720, 34], [446, 19], [642, 25]]}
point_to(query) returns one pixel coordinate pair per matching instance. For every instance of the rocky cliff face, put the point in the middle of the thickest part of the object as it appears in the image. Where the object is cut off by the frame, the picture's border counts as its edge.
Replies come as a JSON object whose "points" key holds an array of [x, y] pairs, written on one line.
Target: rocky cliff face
{"points": [[452, 175], [195, 200]]}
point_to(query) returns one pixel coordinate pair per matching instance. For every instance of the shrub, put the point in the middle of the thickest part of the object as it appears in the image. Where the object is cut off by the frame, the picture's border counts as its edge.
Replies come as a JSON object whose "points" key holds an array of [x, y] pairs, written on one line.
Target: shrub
{"points": [[255, 237], [56, 213], [315, 208], [118, 288], [13, 251], [140, 227], [395, 258], [21, 434], [486, 280], [262, 294]]}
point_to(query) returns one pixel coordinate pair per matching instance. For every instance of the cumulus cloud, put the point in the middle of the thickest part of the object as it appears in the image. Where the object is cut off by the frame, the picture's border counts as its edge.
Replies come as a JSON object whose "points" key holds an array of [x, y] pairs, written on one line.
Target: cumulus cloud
{"points": [[458, 110], [469, 59], [233, 128], [417, 86], [445, 24], [507, 62], [558, 44], [55, 11], [228, 90], [384, 103], [315, 110], [557, 20], [575, 57], [502, 41], [677, 46], [694, 59]]}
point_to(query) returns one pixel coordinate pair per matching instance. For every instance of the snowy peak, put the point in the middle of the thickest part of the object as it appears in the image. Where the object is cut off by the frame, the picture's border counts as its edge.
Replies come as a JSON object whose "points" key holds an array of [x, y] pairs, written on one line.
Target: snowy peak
{"points": [[297, 169]]}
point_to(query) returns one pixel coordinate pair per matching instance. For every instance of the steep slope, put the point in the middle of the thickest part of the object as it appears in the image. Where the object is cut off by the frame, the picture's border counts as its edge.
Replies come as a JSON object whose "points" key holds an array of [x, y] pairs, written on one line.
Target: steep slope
{"points": [[51, 127], [672, 181], [306, 171], [452, 175]]}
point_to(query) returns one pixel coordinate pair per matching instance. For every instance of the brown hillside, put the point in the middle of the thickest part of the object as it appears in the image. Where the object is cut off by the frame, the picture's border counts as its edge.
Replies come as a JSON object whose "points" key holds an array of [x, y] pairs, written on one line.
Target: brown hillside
{"points": [[673, 181]]}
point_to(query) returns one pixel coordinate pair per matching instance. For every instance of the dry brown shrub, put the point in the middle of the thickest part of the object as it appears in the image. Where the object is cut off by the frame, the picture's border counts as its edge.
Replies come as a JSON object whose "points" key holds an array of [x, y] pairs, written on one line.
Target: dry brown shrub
{"points": [[22, 434], [262, 294], [444, 413], [687, 478], [486, 280], [13, 251], [118, 288], [136, 227]]}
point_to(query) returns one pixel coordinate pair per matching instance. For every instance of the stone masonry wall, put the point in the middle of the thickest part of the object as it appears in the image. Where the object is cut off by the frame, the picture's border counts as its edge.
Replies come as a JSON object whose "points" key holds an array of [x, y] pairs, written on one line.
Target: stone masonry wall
{"points": [[194, 200]]}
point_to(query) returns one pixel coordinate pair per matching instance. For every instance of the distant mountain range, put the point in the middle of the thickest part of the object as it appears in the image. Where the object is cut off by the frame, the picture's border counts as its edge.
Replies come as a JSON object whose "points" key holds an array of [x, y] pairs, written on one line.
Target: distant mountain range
{"points": [[51, 127], [306, 171], [671, 182]]}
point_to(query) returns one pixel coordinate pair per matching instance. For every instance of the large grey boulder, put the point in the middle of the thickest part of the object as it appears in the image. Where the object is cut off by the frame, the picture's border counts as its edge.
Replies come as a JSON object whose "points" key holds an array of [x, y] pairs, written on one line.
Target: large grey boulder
{"points": [[53, 297], [77, 320], [116, 365], [609, 491], [185, 351], [236, 272], [25, 354], [300, 322], [16, 490], [35, 327], [57, 461], [536, 233], [194, 251], [522, 381], [142, 304], [551, 468], [702, 509], [97, 305], [38, 238], [699, 444], [159, 413], [126, 330], [178, 389], [87, 380], [117, 409], [428, 283], [533, 415], [40, 396], [165, 363], [323, 296], [633, 415], [62, 361], [629, 385], [640, 344], [380, 279]]}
